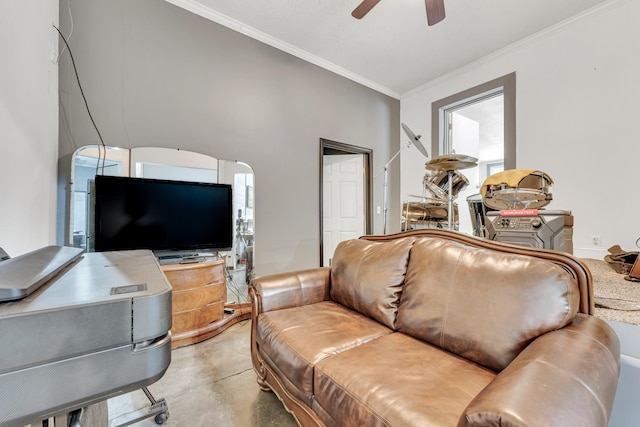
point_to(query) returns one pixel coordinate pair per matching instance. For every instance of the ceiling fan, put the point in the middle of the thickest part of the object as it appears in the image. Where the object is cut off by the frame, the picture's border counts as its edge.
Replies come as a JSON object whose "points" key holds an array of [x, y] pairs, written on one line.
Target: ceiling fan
{"points": [[435, 10]]}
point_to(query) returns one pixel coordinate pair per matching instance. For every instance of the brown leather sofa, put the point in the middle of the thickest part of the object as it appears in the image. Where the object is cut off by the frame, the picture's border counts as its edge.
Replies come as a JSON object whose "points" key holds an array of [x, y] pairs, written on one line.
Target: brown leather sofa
{"points": [[436, 328]]}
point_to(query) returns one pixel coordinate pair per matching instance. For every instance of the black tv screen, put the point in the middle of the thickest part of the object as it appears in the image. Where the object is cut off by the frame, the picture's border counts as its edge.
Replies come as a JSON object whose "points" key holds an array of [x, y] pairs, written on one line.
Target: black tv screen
{"points": [[138, 213]]}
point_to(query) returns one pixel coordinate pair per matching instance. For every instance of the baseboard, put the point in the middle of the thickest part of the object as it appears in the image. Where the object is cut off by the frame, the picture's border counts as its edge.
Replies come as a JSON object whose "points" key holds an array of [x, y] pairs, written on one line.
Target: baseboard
{"points": [[589, 252]]}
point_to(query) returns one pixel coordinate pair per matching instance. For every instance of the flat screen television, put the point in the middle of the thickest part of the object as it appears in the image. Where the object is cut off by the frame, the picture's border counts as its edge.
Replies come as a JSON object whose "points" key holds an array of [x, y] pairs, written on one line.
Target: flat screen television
{"points": [[139, 213]]}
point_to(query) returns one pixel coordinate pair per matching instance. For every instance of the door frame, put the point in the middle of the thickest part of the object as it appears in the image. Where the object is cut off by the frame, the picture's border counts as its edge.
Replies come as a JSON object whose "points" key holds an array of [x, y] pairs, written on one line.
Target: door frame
{"points": [[327, 148]]}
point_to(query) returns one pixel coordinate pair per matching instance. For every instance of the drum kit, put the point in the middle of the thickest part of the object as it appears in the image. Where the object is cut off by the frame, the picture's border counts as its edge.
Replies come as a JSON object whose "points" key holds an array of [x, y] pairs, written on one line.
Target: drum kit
{"points": [[510, 207], [444, 181]]}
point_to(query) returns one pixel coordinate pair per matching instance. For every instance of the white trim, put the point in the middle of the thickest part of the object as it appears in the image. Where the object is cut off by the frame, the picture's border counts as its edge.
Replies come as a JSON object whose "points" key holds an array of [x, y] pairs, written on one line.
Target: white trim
{"points": [[589, 252], [208, 13]]}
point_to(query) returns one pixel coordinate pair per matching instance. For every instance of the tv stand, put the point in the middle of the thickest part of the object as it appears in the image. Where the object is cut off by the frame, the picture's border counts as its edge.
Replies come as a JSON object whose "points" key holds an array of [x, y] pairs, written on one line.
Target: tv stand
{"points": [[199, 296], [171, 258], [177, 257], [192, 259]]}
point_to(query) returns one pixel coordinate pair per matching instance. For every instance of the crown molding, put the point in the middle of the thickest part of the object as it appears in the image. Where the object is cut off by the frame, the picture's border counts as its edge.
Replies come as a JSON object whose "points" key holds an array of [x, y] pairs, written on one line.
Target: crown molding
{"points": [[233, 24]]}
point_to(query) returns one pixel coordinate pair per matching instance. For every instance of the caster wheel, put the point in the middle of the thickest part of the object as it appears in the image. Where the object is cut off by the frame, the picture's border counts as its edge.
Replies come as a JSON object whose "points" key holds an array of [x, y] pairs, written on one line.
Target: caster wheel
{"points": [[161, 418]]}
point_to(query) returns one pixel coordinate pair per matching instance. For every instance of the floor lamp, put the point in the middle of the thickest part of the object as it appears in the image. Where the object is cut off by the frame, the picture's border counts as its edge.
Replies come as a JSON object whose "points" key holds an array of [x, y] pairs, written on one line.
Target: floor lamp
{"points": [[413, 139]]}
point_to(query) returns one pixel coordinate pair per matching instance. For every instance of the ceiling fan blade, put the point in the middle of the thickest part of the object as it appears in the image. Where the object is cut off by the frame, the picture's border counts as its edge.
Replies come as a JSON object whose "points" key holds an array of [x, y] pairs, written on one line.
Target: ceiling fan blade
{"points": [[435, 11], [363, 8]]}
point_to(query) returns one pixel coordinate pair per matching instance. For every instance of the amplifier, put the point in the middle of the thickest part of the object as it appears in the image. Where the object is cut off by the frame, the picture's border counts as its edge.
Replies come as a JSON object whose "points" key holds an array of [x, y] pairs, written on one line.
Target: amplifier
{"points": [[534, 228]]}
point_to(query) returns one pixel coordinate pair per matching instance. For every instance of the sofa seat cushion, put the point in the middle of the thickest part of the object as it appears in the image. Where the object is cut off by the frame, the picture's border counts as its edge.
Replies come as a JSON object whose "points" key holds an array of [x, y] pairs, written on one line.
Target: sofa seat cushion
{"points": [[293, 340], [397, 380], [368, 276], [478, 303]]}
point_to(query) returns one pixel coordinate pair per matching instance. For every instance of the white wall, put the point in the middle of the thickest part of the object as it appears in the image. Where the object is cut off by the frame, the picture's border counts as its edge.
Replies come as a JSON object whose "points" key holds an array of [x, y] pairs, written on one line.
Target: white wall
{"points": [[28, 124], [577, 92]]}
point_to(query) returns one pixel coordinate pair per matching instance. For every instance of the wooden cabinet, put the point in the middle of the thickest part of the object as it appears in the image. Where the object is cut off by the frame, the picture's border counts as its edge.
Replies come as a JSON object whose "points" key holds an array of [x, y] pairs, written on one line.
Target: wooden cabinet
{"points": [[199, 295]]}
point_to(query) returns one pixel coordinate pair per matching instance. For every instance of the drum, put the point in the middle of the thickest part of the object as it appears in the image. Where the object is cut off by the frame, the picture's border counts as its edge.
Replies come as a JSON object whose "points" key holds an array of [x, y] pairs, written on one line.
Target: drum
{"points": [[438, 184], [427, 215], [478, 213], [533, 192]]}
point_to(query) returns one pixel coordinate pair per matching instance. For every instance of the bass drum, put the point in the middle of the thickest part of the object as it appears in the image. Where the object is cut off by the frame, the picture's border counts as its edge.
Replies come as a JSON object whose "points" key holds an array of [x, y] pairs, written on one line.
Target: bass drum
{"points": [[438, 184], [427, 215]]}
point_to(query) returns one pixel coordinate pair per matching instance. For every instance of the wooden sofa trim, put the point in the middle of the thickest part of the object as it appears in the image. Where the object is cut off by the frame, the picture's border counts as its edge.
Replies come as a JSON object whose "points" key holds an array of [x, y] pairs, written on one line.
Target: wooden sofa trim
{"points": [[269, 381]]}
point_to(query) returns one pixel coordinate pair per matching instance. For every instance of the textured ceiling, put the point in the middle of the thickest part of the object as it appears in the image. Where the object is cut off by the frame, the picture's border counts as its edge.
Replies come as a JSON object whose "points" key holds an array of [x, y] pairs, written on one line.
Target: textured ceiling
{"points": [[391, 49]]}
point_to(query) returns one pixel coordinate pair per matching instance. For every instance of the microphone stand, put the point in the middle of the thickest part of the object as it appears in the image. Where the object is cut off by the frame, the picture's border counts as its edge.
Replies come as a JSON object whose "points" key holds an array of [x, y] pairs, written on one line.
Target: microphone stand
{"points": [[413, 139], [386, 189]]}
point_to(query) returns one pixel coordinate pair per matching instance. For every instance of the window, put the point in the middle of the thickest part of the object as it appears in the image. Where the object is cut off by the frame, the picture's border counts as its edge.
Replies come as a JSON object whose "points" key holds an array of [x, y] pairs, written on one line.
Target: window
{"points": [[478, 122]]}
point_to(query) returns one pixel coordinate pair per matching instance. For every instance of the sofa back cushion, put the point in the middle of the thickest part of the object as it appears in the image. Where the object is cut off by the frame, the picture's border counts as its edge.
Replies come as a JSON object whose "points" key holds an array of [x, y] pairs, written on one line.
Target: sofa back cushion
{"points": [[483, 305], [368, 276]]}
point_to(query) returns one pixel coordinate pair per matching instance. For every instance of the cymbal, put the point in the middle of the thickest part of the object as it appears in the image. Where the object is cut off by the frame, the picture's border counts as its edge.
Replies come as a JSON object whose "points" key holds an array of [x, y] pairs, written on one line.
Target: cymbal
{"points": [[415, 139], [451, 162]]}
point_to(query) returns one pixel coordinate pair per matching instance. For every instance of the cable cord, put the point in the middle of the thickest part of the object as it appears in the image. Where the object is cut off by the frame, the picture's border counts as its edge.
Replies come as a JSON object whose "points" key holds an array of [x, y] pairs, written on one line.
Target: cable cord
{"points": [[70, 31], [86, 104], [234, 287]]}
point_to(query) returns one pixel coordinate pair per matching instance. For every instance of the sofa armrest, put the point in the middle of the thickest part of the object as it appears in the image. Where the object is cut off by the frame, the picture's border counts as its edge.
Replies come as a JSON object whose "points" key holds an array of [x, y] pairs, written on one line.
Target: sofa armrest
{"points": [[565, 377], [292, 289]]}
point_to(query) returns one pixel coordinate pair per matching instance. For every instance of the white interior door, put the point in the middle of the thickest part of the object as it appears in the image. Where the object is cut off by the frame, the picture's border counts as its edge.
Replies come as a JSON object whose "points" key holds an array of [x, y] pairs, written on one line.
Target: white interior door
{"points": [[343, 210]]}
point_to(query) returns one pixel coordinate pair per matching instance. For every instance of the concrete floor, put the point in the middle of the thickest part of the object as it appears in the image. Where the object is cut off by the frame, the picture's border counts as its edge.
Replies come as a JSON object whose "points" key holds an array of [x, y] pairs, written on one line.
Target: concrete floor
{"points": [[211, 383]]}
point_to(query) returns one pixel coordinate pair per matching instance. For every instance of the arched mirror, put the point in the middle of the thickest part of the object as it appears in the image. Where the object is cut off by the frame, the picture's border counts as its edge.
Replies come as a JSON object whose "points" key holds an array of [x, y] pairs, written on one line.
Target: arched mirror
{"points": [[192, 170]]}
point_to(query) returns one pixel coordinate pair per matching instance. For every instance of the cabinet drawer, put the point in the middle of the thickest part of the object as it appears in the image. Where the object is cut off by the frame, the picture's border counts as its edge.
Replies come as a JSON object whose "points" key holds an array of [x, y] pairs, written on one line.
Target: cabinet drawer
{"points": [[199, 297], [190, 276], [198, 318]]}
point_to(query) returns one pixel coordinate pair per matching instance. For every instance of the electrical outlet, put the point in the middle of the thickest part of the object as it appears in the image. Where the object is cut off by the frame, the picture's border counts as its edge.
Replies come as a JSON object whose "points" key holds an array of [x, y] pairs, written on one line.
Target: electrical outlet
{"points": [[595, 240]]}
